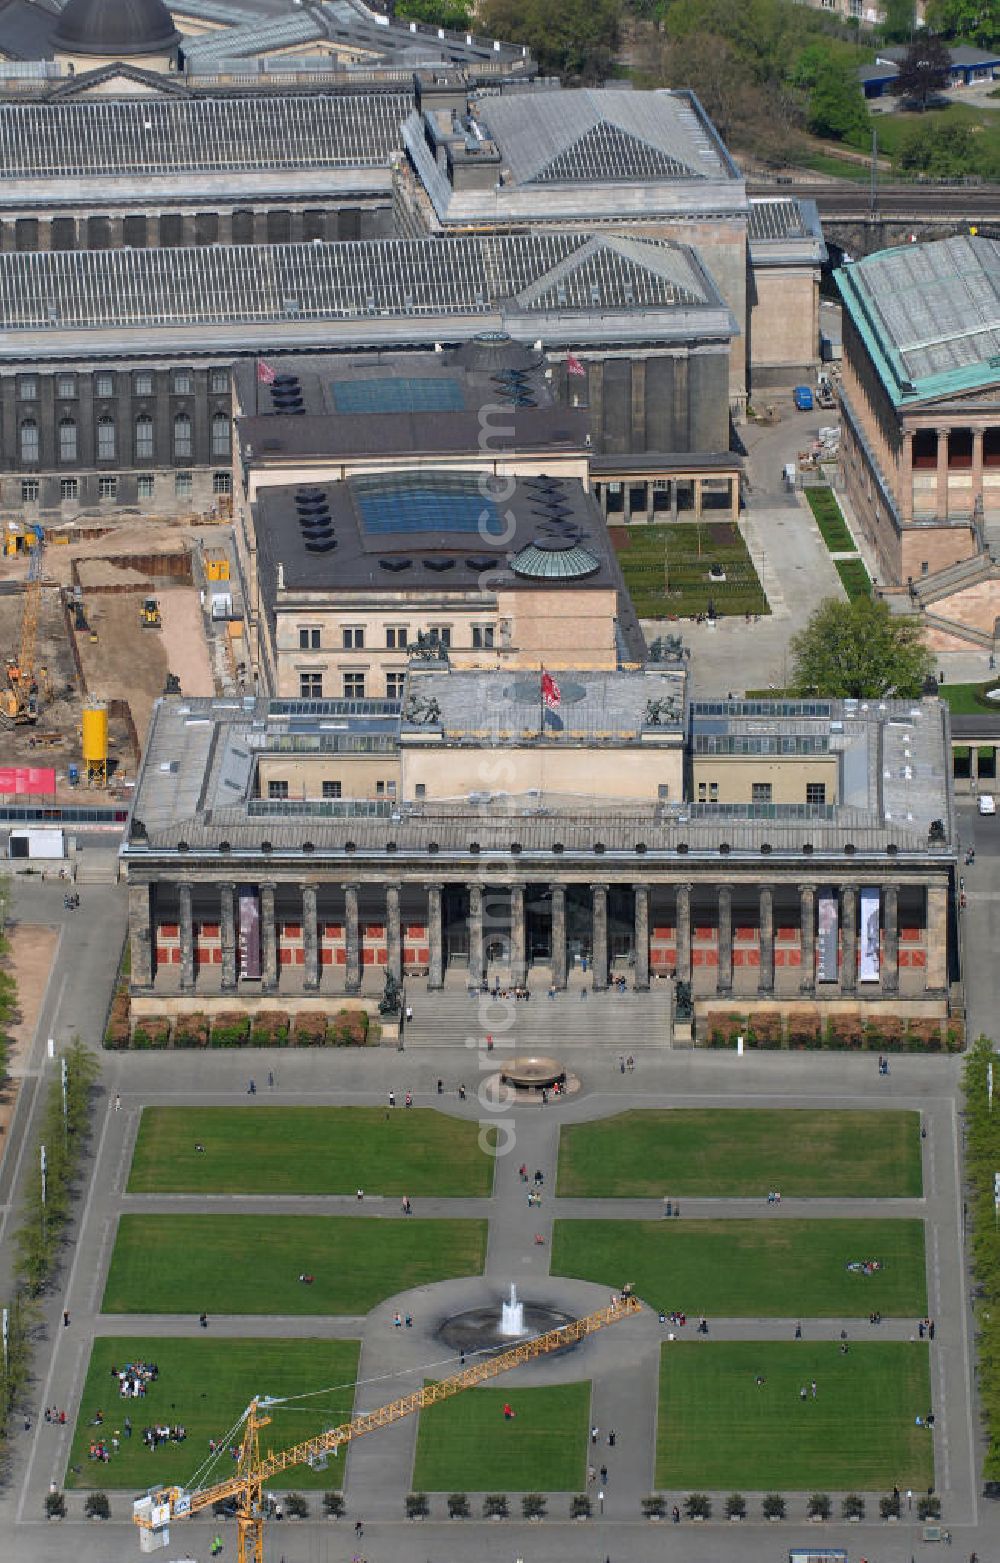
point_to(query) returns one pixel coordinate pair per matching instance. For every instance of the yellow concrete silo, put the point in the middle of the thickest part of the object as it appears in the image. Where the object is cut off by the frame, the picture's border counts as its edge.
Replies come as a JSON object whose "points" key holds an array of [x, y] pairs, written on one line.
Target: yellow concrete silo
{"points": [[95, 742]]}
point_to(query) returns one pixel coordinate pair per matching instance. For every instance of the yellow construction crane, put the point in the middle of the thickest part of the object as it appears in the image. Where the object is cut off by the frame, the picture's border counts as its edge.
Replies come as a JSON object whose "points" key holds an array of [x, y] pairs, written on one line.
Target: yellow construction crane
{"points": [[154, 1512], [19, 703]]}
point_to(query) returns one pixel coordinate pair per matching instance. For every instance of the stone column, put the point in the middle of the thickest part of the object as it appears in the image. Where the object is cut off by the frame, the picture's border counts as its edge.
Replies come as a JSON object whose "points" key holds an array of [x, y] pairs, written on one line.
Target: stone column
{"points": [[393, 934], [435, 977], [187, 938], [352, 938], [724, 983], [140, 927], [906, 477], [559, 936], [889, 970], [683, 933], [848, 940], [936, 980], [942, 474], [807, 922], [599, 931], [765, 971], [268, 941], [518, 954], [641, 938], [310, 937], [227, 930], [477, 963]]}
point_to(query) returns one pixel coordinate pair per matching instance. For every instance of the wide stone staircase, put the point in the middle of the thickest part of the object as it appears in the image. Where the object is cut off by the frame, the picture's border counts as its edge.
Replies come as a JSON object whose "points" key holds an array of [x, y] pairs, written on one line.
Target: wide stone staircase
{"points": [[620, 1022]]}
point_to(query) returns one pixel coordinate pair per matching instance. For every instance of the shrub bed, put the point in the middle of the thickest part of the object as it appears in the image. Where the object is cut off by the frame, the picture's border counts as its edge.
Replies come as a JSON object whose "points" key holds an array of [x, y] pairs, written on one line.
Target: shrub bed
{"points": [[191, 1031], [269, 1029], [117, 1033], [151, 1031], [310, 1030], [230, 1030], [348, 1028], [805, 1028], [724, 1028], [765, 1031]]}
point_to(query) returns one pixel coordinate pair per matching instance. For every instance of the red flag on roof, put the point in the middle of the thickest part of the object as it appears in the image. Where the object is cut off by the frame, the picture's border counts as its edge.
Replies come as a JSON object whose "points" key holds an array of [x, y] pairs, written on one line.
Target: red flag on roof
{"points": [[573, 365], [265, 374], [550, 691]]}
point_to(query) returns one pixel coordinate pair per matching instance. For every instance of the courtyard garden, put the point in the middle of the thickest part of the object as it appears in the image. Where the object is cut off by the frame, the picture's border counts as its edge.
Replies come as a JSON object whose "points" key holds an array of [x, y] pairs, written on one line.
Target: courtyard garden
{"points": [[260, 1149], [763, 1268], [742, 1152], [246, 1264], [669, 569]]}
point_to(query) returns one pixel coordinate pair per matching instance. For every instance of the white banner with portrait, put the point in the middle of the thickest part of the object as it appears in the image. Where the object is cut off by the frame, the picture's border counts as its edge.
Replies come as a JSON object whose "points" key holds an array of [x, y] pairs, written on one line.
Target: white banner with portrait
{"points": [[871, 930]]}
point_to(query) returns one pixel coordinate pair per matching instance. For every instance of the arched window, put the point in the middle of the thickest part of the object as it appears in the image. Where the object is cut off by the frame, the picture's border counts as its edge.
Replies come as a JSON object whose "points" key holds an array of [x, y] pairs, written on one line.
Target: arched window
{"points": [[29, 440], [143, 438], [105, 438], [220, 434], [67, 439], [182, 437]]}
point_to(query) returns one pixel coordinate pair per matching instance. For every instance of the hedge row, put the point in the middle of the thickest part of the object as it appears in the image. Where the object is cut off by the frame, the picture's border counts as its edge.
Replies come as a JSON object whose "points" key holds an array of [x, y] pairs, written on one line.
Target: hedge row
{"points": [[847, 1032], [982, 1158], [346, 1028]]}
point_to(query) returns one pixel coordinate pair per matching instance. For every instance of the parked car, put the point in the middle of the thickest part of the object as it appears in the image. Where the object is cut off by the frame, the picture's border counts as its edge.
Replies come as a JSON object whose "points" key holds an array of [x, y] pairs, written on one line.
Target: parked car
{"points": [[803, 398], [987, 803]]}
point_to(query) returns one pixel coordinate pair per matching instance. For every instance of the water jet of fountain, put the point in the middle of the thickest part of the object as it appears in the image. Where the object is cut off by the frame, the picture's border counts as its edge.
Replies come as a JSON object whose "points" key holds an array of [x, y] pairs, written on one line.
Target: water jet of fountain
{"points": [[512, 1315]]}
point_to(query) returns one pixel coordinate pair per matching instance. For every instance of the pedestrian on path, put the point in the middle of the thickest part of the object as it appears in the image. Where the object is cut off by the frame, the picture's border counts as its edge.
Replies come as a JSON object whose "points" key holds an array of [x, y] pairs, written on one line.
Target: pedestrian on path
{"points": [[604, 1473], [612, 1438], [392, 1098], [408, 1099], [594, 1434], [65, 1318], [270, 1079], [252, 1089], [359, 1528], [118, 1103]]}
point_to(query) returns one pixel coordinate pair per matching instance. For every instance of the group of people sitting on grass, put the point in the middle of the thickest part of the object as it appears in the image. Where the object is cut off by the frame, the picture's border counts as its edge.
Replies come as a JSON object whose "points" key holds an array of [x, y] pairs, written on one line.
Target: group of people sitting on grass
{"points": [[864, 1266], [134, 1377], [153, 1437]]}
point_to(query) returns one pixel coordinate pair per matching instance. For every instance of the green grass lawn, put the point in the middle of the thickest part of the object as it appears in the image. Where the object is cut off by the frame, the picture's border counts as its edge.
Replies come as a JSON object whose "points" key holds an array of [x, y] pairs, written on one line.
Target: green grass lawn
{"points": [[252, 1264], [308, 1150], [666, 569], [895, 129], [742, 1151], [204, 1385], [855, 578], [834, 529], [968, 699], [467, 1445], [717, 1429], [772, 1269]]}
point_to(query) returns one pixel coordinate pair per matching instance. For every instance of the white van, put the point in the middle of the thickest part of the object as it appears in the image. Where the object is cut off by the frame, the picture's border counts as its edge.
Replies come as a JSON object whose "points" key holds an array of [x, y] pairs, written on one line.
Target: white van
{"points": [[987, 803]]}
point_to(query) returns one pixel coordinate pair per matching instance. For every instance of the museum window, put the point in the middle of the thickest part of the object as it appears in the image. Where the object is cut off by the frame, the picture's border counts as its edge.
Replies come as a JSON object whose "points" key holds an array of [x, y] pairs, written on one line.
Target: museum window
{"points": [[310, 686], [104, 385], [144, 438], [182, 437], [815, 792], [219, 382], [353, 637], [332, 789], [760, 792], [29, 491], [105, 439], [145, 485], [69, 488], [482, 637], [183, 485], [277, 789], [27, 388], [220, 434], [66, 387], [29, 440], [183, 382], [395, 637], [309, 639], [107, 488], [394, 685], [354, 686], [67, 439], [222, 483], [441, 635], [143, 383]]}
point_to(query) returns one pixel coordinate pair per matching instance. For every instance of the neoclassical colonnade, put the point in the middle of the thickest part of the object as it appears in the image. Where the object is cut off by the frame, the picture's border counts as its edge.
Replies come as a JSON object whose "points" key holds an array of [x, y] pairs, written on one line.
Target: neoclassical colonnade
{"points": [[727, 937]]}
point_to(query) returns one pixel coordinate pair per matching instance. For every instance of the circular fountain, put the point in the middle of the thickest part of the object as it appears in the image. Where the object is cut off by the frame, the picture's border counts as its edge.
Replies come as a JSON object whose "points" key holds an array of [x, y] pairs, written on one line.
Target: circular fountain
{"points": [[532, 1073], [498, 1325]]}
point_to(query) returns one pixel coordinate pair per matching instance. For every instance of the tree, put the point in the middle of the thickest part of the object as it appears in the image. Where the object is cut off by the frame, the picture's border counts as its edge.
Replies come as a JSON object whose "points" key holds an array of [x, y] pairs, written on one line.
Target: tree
{"points": [[858, 650], [945, 150], [454, 15], [837, 104], [974, 21], [924, 71], [899, 20], [575, 39]]}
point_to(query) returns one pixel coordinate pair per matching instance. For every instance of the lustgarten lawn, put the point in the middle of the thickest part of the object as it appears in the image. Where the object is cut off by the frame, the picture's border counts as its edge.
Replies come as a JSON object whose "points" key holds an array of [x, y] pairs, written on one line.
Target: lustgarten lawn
{"points": [[743, 1151], [308, 1150], [467, 1445], [718, 1429], [252, 1264], [760, 1268], [204, 1386]]}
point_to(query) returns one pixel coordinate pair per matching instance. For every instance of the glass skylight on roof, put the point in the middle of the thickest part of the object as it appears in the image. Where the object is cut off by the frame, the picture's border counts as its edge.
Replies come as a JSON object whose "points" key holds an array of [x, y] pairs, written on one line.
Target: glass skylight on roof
{"points": [[426, 504], [425, 394]]}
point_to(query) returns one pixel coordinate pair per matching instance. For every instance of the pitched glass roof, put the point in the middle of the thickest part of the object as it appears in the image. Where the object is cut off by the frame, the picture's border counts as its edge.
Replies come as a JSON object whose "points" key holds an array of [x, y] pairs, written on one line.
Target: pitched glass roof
{"points": [[423, 394], [609, 146], [437, 502]]}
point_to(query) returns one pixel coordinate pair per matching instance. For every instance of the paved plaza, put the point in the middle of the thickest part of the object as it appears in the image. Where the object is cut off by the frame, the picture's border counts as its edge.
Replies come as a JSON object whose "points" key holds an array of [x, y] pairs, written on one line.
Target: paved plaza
{"points": [[621, 1362]]}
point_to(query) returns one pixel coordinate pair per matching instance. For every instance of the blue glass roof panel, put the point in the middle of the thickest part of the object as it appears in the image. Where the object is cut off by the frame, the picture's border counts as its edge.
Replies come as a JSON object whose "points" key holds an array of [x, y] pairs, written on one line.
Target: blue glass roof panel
{"points": [[425, 394]]}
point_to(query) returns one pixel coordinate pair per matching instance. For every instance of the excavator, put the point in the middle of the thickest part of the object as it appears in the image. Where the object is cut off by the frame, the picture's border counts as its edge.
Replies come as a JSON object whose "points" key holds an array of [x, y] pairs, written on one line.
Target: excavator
{"points": [[153, 1513], [19, 702]]}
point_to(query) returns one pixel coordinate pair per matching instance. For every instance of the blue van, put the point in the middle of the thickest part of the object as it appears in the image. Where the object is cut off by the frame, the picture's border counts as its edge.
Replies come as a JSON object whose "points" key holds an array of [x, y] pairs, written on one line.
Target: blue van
{"points": [[803, 398]]}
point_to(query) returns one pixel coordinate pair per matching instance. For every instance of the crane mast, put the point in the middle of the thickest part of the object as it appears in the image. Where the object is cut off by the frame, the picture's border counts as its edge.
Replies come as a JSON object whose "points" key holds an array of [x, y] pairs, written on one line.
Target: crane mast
{"points": [[153, 1513]]}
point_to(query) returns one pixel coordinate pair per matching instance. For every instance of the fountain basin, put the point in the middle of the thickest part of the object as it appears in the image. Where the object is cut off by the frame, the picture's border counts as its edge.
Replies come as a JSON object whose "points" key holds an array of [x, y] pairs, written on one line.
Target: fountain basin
{"points": [[481, 1329]]}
